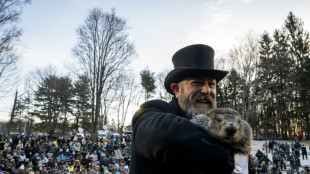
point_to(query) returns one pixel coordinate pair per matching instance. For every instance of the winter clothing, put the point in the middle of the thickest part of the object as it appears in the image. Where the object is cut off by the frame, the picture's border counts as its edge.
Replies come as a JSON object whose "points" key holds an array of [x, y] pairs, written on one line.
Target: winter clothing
{"points": [[287, 150], [165, 141], [259, 154], [271, 146], [294, 162], [304, 152]]}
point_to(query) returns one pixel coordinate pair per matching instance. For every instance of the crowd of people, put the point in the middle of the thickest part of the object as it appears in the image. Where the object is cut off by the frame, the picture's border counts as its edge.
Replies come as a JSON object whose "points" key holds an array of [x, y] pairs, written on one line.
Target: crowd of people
{"points": [[283, 157], [76, 154], [64, 154]]}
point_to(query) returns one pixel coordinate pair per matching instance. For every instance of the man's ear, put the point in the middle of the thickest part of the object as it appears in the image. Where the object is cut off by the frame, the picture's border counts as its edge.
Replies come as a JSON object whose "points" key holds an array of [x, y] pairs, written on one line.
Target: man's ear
{"points": [[176, 89]]}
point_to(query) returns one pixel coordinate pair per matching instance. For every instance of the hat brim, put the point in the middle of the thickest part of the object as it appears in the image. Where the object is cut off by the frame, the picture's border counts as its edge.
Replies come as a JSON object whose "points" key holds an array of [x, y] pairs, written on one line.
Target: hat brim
{"points": [[178, 74]]}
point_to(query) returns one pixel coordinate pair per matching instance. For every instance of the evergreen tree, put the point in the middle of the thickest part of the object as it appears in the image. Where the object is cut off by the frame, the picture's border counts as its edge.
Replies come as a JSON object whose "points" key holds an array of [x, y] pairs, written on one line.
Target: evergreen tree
{"points": [[231, 90], [148, 82], [54, 101], [283, 92], [82, 103], [299, 48]]}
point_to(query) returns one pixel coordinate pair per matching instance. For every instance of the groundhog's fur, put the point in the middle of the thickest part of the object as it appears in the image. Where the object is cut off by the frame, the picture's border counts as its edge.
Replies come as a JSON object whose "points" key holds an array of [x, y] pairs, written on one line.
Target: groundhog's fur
{"points": [[226, 125]]}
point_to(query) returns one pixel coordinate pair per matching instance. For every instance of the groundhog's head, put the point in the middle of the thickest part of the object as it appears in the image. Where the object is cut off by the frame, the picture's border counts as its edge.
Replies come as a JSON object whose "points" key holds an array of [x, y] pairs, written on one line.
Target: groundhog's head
{"points": [[225, 123]]}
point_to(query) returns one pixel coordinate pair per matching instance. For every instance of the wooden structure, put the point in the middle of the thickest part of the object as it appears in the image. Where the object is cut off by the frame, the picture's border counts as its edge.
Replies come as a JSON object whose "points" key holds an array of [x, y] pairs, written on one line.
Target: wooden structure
{"points": [[265, 131]]}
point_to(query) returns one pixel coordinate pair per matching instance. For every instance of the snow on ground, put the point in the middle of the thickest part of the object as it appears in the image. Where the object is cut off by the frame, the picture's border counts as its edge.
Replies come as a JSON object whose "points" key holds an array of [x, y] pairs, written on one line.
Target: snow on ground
{"points": [[258, 145]]}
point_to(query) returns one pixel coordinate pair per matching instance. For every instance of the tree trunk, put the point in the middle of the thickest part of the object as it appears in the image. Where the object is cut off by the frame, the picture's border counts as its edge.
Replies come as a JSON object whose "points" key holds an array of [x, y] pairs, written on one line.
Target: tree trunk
{"points": [[97, 114], [12, 117]]}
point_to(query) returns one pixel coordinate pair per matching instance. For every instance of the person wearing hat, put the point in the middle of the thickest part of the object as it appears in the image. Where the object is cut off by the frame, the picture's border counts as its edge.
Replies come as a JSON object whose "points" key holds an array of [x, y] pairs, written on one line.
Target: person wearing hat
{"points": [[164, 140]]}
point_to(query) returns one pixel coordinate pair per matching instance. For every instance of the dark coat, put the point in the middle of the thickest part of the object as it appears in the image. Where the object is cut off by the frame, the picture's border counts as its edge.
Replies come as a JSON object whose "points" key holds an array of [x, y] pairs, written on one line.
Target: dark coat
{"points": [[165, 141], [294, 161], [303, 150], [259, 155], [287, 148]]}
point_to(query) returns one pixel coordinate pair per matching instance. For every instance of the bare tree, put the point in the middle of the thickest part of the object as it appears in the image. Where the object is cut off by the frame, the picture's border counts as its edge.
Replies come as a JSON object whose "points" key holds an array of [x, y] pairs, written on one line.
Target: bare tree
{"points": [[160, 88], [10, 11], [102, 50], [128, 92], [108, 97], [244, 58]]}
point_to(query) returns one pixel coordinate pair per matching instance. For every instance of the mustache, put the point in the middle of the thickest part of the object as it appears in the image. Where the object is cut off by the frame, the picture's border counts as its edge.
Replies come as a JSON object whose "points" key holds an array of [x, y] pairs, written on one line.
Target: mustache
{"points": [[204, 98]]}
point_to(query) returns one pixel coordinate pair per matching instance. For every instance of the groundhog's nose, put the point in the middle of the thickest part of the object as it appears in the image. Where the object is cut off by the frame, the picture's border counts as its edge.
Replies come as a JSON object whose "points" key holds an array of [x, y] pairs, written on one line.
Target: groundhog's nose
{"points": [[231, 130]]}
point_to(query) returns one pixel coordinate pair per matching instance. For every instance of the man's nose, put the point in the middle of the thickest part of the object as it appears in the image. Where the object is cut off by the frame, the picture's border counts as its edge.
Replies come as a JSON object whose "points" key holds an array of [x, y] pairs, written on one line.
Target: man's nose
{"points": [[205, 89]]}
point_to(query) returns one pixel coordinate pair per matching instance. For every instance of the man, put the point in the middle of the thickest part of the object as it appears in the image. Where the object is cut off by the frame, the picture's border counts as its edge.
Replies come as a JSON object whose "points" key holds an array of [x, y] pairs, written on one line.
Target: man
{"points": [[304, 152], [287, 150], [276, 158], [294, 162], [271, 146], [274, 169], [22, 157], [259, 154], [297, 147], [265, 159], [164, 140]]}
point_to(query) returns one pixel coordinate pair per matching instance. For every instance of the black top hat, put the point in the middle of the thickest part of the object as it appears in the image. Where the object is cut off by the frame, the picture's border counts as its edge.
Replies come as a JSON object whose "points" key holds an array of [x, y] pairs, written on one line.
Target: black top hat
{"points": [[191, 61]]}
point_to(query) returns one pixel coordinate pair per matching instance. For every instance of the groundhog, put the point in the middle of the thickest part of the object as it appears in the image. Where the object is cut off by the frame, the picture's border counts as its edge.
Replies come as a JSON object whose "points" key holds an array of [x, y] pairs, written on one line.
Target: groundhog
{"points": [[226, 125]]}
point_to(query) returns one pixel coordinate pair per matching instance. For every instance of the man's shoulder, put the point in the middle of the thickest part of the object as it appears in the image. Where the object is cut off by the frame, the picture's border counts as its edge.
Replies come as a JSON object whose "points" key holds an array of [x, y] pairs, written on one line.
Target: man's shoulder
{"points": [[156, 104], [152, 106]]}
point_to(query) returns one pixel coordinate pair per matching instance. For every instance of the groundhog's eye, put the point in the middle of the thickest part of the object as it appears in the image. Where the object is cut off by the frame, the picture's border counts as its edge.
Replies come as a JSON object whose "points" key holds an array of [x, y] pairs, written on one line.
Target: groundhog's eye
{"points": [[239, 121], [219, 119]]}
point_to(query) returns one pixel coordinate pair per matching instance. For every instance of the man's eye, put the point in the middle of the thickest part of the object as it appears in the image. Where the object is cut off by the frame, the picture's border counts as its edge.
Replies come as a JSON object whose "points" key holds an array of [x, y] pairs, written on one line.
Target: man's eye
{"points": [[211, 84]]}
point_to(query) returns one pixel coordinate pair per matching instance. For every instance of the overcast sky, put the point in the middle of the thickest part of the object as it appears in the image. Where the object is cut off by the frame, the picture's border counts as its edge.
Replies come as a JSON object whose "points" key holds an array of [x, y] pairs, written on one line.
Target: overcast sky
{"points": [[158, 28]]}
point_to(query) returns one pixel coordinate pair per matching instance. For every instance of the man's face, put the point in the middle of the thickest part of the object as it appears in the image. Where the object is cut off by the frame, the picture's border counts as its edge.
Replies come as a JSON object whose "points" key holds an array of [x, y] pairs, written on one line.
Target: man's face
{"points": [[196, 94]]}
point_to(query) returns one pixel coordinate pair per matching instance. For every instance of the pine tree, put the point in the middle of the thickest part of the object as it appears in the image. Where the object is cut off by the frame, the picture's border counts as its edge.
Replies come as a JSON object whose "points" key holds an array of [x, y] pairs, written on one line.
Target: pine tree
{"points": [[148, 82], [299, 48]]}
